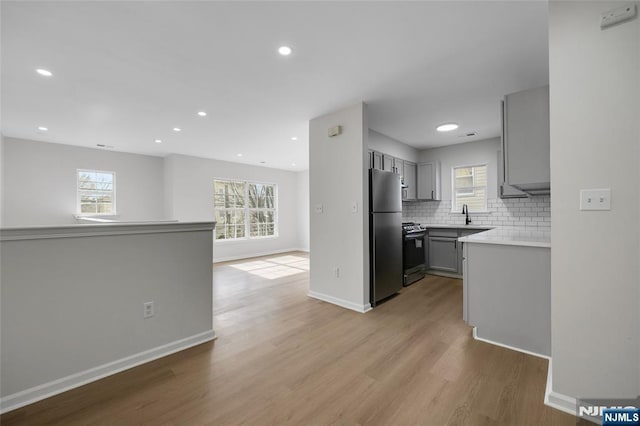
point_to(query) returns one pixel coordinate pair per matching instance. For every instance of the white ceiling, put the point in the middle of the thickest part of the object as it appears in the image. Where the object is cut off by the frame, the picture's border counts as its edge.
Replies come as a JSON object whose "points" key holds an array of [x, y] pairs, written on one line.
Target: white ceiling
{"points": [[126, 73]]}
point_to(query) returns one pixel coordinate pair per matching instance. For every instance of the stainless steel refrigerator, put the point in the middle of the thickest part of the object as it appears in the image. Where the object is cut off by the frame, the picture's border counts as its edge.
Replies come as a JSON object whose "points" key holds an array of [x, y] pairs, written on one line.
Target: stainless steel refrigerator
{"points": [[385, 234]]}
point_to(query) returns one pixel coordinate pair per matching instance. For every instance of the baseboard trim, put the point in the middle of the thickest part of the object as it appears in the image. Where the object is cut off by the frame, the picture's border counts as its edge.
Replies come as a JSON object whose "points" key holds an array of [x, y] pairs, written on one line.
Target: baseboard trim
{"points": [[513, 348], [252, 255], [557, 400], [46, 390], [340, 302]]}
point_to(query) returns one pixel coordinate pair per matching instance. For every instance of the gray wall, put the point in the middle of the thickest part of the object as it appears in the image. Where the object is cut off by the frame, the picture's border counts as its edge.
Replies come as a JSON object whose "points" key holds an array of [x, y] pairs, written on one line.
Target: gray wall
{"points": [[470, 153], [82, 307], [189, 197], [40, 182], [339, 238], [383, 143], [595, 143]]}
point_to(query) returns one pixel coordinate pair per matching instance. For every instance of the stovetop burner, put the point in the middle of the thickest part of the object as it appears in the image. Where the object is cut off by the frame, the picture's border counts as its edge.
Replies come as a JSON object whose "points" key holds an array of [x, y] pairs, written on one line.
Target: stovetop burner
{"points": [[411, 227]]}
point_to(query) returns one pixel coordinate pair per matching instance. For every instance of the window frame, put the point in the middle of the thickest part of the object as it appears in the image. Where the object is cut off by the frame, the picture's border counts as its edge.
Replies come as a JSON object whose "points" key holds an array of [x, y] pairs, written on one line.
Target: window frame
{"points": [[473, 175], [79, 213], [247, 211]]}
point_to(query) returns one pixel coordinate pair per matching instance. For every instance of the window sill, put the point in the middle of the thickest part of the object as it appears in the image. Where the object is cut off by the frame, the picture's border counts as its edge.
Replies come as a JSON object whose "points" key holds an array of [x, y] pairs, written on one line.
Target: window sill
{"points": [[97, 217], [244, 240], [473, 212]]}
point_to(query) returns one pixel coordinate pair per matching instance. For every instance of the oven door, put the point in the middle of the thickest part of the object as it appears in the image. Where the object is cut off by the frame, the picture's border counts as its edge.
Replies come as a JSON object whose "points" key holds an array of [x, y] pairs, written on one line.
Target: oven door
{"points": [[413, 251]]}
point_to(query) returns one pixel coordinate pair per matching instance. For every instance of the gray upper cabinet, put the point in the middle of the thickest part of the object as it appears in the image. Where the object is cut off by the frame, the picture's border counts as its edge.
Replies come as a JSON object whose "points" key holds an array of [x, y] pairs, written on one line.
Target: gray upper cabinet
{"points": [[429, 181], [410, 180], [388, 163], [526, 140], [398, 166], [504, 189], [375, 160]]}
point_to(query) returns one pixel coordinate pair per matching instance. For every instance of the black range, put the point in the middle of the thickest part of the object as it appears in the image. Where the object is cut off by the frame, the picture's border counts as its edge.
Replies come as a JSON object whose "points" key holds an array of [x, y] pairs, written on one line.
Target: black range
{"points": [[413, 252]]}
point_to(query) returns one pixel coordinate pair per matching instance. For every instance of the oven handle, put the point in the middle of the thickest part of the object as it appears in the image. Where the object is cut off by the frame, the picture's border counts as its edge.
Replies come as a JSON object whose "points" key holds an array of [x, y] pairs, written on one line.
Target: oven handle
{"points": [[414, 237]]}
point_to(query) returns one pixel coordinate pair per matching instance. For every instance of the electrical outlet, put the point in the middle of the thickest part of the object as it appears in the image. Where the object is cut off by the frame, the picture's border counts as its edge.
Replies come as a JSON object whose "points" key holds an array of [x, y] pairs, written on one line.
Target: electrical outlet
{"points": [[336, 272], [319, 209], [595, 199], [148, 310], [354, 207]]}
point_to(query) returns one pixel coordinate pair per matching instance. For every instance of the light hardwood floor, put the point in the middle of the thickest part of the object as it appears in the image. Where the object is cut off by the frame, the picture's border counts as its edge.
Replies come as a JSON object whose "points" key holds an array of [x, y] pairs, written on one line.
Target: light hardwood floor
{"points": [[283, 358]]}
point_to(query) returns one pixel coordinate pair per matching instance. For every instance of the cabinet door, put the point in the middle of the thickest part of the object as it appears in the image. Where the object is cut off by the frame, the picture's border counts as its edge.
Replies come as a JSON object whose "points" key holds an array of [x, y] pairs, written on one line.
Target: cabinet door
{"points": [[443, 254], [387, 163], [504, 189], [398, 167], [377, 160], [425, 188], [526, 136], [410, 179]]}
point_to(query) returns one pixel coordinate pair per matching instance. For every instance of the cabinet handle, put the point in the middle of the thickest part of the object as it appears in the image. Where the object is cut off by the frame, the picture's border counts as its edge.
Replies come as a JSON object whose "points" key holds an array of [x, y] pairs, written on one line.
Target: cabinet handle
{"points": [[432, 197], [455, 244]]}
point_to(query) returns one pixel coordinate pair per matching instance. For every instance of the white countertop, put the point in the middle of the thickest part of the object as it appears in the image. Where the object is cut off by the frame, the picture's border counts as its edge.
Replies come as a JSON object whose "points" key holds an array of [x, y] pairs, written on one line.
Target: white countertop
{"points": [[461, 226], [513, 237]]}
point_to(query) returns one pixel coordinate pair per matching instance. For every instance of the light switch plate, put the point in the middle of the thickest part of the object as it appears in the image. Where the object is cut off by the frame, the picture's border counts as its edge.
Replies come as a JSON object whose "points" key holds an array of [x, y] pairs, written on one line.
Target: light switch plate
{"points": [[354, 207], [595, 199]]}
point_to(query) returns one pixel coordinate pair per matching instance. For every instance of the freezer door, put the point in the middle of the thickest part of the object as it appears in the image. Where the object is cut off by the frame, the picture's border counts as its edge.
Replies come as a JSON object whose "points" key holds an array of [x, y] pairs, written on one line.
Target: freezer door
{"points": [[386, 256], [386, 191]]}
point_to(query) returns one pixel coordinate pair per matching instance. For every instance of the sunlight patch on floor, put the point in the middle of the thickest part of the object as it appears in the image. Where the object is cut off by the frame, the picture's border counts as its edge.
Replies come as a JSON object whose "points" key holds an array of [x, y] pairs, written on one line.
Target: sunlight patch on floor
{"points": [[277, 267]]}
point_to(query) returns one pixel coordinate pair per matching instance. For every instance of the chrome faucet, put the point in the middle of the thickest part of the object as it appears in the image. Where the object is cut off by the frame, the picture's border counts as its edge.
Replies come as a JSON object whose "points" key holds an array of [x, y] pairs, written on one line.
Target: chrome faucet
{"points": [[465, 211]]}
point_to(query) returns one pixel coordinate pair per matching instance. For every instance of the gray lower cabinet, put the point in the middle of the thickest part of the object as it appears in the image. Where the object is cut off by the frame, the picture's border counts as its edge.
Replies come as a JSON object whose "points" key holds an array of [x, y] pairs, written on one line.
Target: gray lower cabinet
{"points": [[507, 295], [443, 254]]}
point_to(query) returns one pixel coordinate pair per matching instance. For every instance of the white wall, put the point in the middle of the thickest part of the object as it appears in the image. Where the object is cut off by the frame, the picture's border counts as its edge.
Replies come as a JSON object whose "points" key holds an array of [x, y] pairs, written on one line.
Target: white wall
{"points": [[470, 153], [39, 188], [595, 143], [189, 193], [383, 143], [40, 182], [339, 238], [303, 209]]}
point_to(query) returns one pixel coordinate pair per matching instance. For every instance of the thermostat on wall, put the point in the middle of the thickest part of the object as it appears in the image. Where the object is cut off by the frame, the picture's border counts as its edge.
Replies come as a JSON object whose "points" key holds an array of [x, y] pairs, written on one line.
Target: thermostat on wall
{"points": [[335, 131]]}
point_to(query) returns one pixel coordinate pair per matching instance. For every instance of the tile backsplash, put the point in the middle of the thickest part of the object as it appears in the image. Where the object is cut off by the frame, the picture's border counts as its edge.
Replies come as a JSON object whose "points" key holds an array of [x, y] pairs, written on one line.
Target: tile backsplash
{"points": [[531, 213]]}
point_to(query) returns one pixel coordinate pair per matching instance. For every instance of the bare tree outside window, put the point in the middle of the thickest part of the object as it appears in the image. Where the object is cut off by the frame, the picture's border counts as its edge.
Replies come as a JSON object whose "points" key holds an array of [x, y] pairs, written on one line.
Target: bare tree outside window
{"points": [[244, 209]]}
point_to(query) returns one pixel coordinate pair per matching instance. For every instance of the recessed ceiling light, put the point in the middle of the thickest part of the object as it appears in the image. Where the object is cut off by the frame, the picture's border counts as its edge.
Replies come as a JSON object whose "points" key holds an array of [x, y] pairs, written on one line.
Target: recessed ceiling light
{"points": [[294, 138], [238, 155], [447, 127], [158, 140], [284, 50], [177, 129], [44, 72], [293, 164], [202, 113], [43, 129]]}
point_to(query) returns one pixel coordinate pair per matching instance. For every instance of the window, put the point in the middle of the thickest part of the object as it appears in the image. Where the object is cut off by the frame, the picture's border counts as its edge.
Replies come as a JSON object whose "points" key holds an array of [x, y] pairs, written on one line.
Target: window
{"points": [[96, 192], [470, 188], [244, 209]]}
